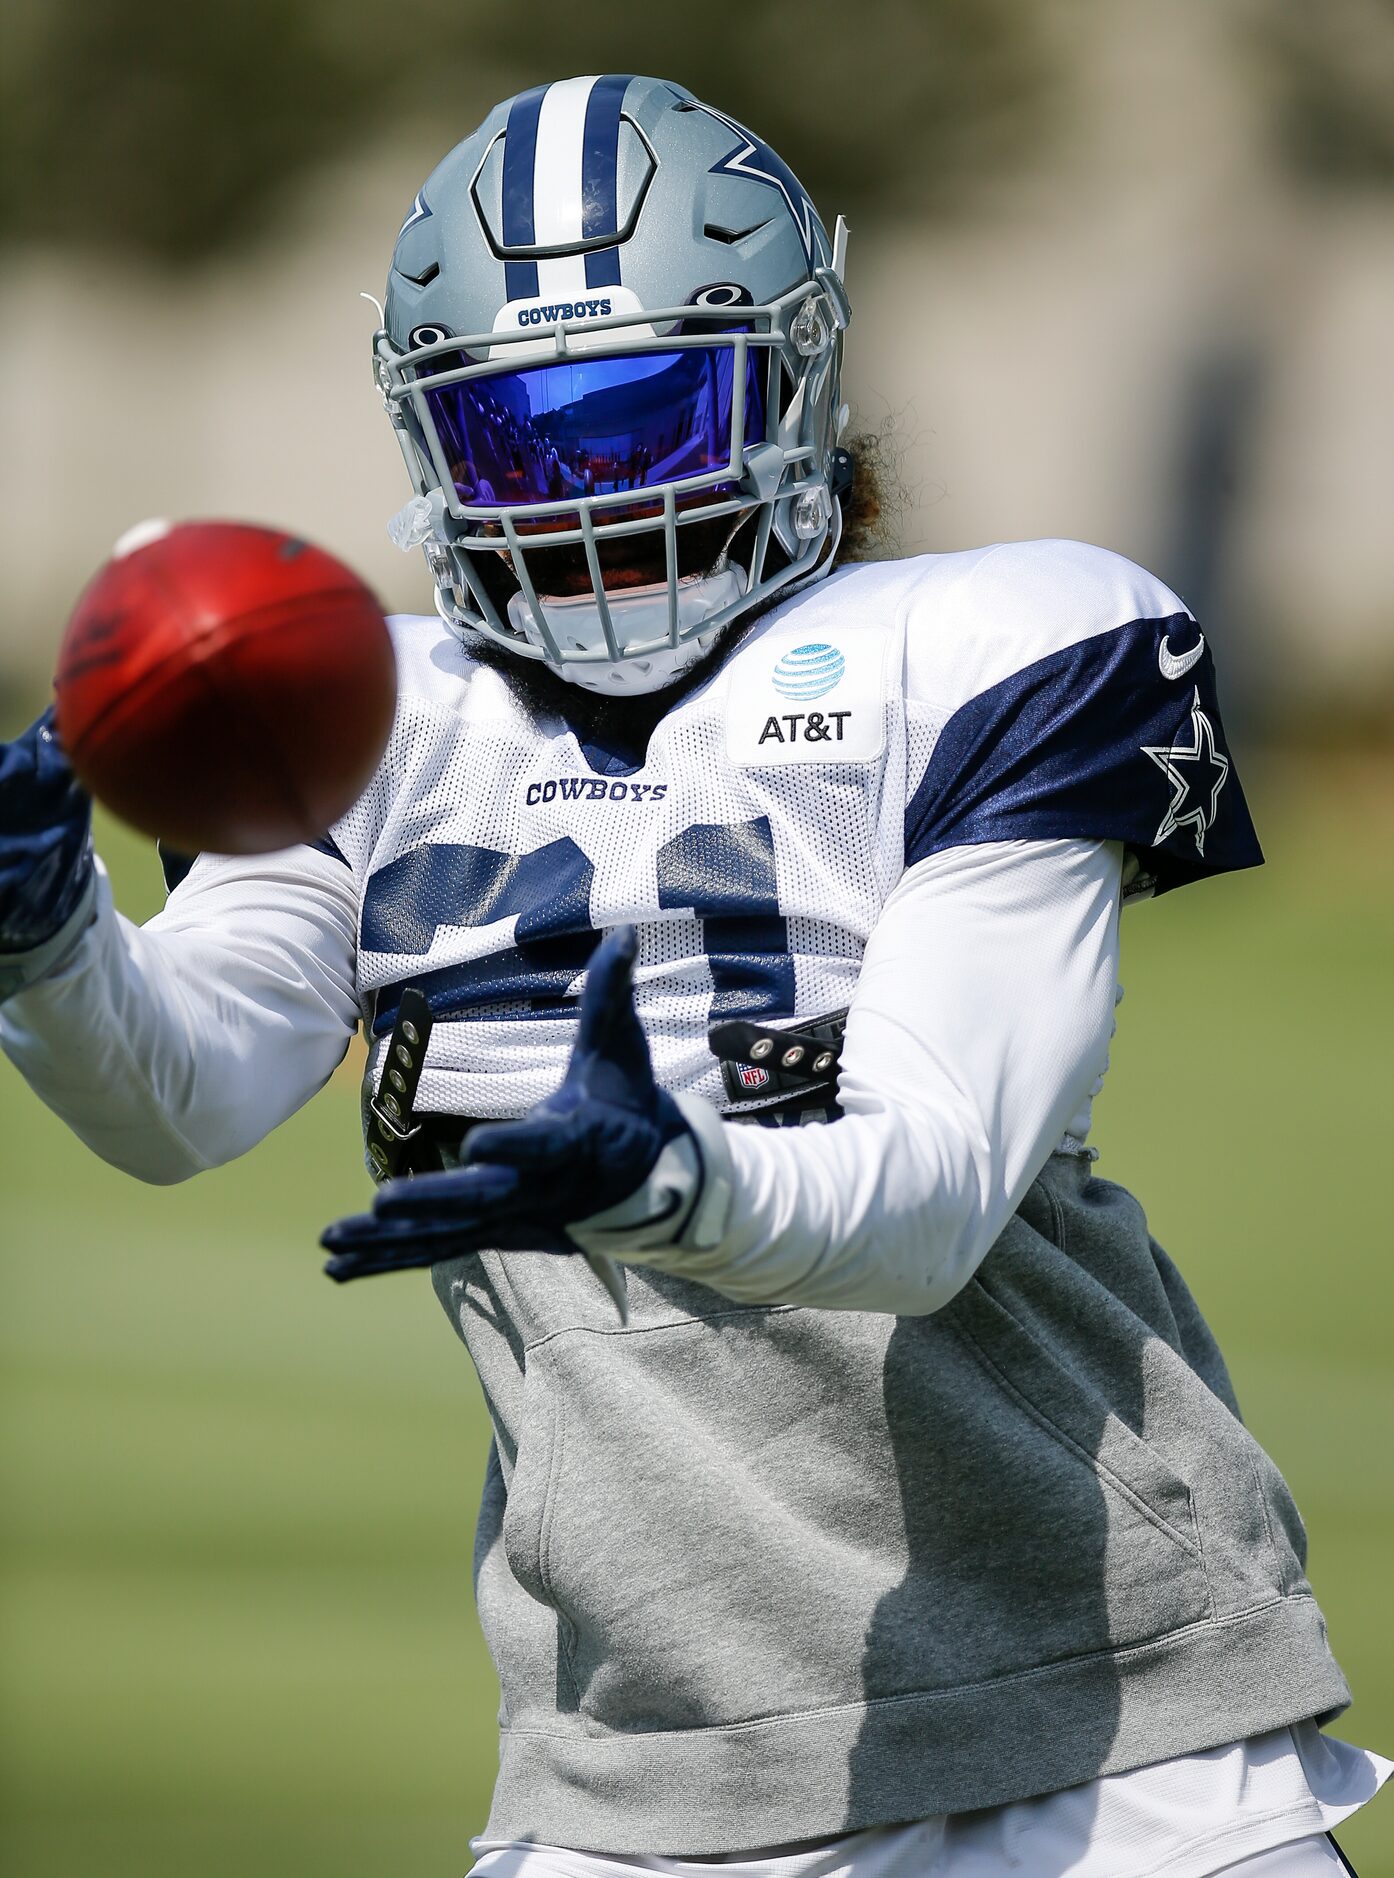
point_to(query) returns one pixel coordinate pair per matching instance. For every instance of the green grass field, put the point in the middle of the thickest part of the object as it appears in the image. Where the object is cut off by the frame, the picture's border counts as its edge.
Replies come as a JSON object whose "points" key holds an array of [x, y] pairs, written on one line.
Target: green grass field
{"points": [[237, 1626]]}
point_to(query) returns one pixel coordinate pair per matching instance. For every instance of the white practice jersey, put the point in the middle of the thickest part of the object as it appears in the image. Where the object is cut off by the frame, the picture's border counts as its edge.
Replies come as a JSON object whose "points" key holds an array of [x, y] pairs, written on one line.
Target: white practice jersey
{"points": [[883, 717]]}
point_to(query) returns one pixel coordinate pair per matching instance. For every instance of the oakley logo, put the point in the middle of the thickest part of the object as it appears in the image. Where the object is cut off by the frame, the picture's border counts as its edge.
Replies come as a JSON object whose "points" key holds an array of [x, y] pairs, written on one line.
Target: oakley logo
{"points": [[564, 310], [593, 789], [817, 727], [724, 292]]}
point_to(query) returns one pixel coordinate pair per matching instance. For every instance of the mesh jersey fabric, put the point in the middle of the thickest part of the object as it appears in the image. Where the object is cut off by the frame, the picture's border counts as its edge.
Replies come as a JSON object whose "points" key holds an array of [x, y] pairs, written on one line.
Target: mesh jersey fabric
{"points": [[865, 724]]}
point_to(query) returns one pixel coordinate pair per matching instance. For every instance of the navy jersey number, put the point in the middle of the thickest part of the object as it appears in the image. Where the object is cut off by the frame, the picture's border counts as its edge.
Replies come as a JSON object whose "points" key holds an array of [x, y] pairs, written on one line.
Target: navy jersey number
{"points": [[724, 876]]}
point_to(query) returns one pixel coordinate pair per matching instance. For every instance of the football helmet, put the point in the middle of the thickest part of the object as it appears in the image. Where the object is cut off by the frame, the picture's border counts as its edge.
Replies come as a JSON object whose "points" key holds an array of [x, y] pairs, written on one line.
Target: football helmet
{"points": [[610, 351]]}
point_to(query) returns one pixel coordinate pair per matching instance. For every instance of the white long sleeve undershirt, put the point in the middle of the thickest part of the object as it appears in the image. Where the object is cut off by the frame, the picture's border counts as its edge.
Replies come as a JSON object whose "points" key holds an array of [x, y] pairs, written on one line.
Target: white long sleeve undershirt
{"points": [[177, 1045], [980, 1022]]}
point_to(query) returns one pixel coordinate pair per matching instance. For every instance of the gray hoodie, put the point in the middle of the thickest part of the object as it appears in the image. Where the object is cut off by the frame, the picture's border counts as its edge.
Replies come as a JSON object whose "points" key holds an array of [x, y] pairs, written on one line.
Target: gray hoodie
{"points": [[756, 1574]]}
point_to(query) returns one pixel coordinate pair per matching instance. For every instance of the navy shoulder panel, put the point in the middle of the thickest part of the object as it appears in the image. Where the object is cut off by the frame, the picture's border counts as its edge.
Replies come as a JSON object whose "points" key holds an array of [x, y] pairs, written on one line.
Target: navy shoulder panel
{"points": [[1116, 738]]}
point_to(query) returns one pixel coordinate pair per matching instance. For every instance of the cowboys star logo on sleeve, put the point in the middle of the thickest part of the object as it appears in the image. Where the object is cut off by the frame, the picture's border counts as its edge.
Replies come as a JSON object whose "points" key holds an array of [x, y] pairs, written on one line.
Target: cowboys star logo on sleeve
{"points": [[1197, 773]]}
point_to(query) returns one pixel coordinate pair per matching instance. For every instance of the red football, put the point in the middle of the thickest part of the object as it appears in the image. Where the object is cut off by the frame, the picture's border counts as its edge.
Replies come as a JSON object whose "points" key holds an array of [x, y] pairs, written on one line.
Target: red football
{"points": [[225, 687]]}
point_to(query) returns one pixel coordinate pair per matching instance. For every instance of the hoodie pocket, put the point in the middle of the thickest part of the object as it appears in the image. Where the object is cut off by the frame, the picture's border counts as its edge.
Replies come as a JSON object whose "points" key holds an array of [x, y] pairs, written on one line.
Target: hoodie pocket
{"points": [[1068, 1413]]}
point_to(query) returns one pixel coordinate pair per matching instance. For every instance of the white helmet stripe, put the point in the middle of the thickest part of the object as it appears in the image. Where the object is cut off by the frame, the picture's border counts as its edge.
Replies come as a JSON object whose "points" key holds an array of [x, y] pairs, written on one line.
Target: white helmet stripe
{"points": [[558, 186]]}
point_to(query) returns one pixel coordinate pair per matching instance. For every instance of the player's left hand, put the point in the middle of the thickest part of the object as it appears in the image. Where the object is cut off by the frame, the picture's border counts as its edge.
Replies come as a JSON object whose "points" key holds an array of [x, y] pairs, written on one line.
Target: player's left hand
{"points": [[45, 838], [581, 1161]]}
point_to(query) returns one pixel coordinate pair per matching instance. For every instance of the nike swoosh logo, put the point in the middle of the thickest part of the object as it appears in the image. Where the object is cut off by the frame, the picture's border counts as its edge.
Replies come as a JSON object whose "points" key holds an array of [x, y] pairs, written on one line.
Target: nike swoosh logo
{"points": [[672, 1200], [1170, 664]]}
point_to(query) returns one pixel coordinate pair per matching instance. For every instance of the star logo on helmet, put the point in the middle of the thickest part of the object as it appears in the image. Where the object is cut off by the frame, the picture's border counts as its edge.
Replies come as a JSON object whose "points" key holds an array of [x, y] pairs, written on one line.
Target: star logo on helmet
{"points": [[418, 212], [1197, 773], [757, 163]]}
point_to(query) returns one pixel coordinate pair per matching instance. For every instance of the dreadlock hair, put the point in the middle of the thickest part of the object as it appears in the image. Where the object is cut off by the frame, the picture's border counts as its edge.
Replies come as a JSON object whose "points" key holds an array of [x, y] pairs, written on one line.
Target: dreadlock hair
{"points": [[872, 507]]}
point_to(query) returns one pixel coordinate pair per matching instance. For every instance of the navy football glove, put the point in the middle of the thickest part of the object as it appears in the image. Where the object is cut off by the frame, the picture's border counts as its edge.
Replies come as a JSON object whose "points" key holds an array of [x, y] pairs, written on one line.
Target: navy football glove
{"points": [[45, 840], [589, 1150]]}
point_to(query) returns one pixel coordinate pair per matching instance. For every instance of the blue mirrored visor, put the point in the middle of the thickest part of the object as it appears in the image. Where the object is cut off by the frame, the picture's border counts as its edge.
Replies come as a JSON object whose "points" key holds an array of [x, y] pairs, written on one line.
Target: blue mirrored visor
{"points": [[591, 427]]}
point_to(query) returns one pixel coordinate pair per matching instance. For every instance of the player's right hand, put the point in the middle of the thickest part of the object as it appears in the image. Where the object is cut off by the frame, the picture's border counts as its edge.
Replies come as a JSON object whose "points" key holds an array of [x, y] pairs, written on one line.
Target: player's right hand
{"points": [[607, 1165], [45, 839]]}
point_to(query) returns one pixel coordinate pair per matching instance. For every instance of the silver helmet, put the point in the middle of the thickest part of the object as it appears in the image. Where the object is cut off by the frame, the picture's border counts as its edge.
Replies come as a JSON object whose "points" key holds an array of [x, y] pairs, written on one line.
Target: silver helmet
{"points": [[610, 352]]}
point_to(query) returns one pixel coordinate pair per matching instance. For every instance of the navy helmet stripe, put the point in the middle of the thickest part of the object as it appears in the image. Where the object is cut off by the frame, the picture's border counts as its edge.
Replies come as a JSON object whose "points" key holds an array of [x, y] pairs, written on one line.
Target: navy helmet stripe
{"points": [[519, 153], [603, 267], [520, 280], [600, 150]]}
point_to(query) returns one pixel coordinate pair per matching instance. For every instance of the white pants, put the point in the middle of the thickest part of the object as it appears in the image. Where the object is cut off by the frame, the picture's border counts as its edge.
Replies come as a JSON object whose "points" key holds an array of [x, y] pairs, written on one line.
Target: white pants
{"points": [[1255, 1809], [1304, 1858], [1314, 1857]]}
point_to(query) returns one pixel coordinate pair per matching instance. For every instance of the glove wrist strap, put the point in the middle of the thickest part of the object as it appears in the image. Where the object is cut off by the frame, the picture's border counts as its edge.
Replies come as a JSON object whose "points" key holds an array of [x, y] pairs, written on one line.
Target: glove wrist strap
{"points": [[20, 970], [684, 1203], [706, 1223]]}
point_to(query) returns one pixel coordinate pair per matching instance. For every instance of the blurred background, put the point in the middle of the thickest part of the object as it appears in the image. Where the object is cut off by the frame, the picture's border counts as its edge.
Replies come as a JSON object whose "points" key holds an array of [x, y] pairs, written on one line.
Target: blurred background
{"points": [[1123, 270]]}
